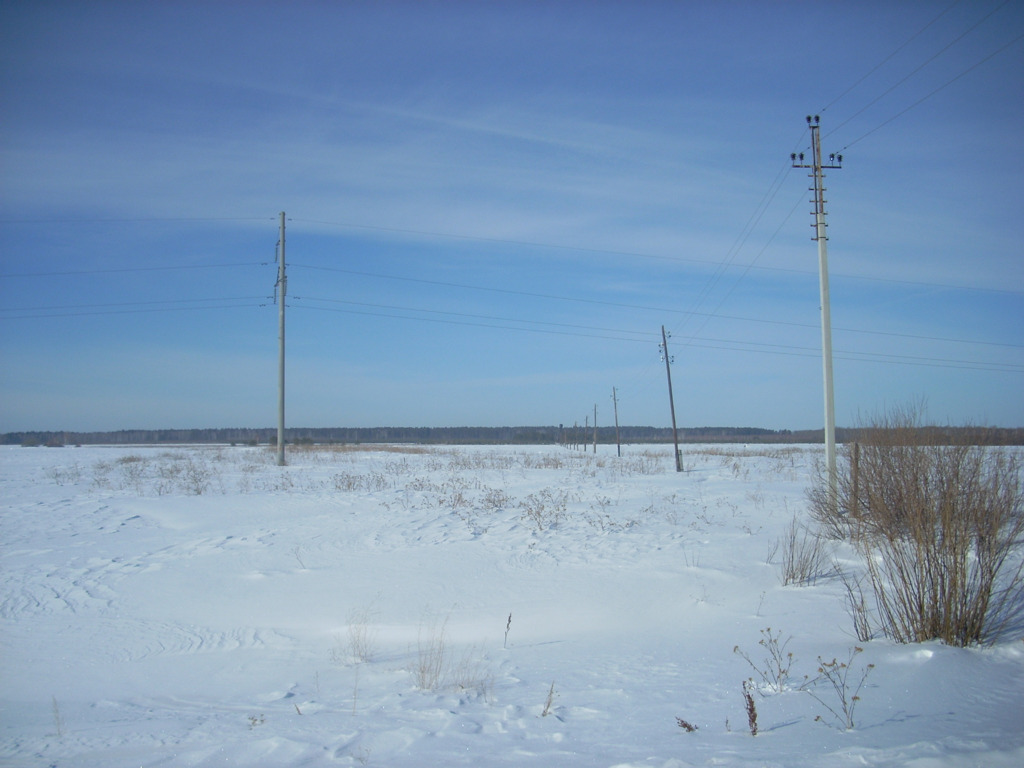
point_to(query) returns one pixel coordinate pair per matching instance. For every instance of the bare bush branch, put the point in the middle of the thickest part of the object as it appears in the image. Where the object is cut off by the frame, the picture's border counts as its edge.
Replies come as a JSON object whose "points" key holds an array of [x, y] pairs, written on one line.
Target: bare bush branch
{"points": [[804, 556], [938, 523]]}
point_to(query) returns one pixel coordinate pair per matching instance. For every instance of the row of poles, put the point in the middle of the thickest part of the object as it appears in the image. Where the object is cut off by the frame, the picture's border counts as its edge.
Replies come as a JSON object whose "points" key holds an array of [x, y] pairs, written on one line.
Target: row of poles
{"points": [[817, 175], [817, 167], [668, 359]]}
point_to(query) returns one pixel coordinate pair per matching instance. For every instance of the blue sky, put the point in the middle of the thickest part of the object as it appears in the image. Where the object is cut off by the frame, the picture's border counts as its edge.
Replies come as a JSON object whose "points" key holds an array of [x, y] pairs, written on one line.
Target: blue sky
{"points": [[494, 207]]}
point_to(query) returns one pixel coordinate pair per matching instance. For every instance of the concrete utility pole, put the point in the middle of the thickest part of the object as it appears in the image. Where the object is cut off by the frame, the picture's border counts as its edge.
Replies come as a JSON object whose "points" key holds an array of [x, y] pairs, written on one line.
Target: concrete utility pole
{"points": [[282, 289], [671, 403], [595, 429], [816, 167]]}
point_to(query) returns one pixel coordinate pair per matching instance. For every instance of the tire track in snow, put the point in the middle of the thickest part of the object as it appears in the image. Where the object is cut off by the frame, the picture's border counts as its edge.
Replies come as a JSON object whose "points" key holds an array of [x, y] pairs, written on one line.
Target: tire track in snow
{"points": [[42, 591], [39, 589], [133, 640]]}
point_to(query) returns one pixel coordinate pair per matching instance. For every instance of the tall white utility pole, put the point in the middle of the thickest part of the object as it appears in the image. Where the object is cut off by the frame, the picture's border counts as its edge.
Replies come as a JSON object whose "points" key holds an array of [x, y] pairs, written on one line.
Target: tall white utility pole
{"points": [[282, 289], [835, 161], [671, 401]]}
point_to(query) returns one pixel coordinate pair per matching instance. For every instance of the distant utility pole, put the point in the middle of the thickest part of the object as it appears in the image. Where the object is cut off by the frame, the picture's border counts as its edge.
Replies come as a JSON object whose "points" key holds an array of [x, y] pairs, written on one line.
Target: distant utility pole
{"points": [[615, 404], [671, 403], [816, 167], [282, 289], [595, 429]]}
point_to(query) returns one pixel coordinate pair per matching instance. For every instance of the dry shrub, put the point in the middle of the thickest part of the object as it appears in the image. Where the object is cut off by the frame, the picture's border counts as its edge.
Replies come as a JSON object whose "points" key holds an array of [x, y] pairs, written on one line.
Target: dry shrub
{"points": [[362, 634], [546, 508], [845, 692], [686, 725], [774, 671], [437, 667], [805, 557], [432, 656], [938, 523], [342, 448], [748, 701]]}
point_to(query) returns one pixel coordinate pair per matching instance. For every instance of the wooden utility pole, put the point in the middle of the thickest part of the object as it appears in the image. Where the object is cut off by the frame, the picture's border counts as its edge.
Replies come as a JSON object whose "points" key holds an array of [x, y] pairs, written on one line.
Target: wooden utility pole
{"points": [[618, 443], [855, 481], [282, 289], [816, 167], [671, 403]]}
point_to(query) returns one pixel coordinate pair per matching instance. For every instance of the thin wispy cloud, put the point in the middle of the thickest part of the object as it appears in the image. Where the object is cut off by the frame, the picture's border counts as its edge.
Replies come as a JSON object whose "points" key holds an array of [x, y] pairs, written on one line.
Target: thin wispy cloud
{"points": [[510, 168]]}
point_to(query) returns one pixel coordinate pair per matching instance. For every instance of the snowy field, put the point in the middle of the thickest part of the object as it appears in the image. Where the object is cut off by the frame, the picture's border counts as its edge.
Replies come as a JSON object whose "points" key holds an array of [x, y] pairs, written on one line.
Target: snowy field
{"points": [[200, 606]]}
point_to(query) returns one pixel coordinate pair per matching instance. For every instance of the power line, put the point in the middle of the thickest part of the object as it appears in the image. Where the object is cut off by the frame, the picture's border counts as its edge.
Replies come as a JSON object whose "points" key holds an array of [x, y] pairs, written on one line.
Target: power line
{"points": [[746, 267], [917, 69], [922, 337], [736, 282], [933, 92], [467, 286], [735, 345], [741, 240], [678, 259], [503, 241], [863, 357], [623, 305], [899, 281], [129, 303], [474, 324], [880, 64], [478, 316], [884, 357], [146, 310], [138, 220], [159, 306], [134, 269]]}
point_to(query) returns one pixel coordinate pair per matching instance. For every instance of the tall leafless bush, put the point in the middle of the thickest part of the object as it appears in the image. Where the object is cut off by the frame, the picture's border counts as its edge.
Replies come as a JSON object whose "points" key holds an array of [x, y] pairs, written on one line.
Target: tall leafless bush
{"points": [[938, 522]]}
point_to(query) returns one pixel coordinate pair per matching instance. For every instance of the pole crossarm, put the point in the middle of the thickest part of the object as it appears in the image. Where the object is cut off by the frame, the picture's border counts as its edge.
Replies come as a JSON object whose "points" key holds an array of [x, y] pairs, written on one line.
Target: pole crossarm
{"points": [[816, 167]]}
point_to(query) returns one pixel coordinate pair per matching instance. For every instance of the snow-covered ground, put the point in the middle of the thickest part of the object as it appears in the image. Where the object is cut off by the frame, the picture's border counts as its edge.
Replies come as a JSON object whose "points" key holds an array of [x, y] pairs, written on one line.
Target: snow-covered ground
{"points": [[198, 606]]}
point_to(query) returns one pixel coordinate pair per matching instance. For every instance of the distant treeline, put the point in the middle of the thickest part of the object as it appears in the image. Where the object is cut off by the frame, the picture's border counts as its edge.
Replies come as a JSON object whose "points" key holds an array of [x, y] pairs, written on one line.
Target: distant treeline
{"points": [[565, 435]]}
